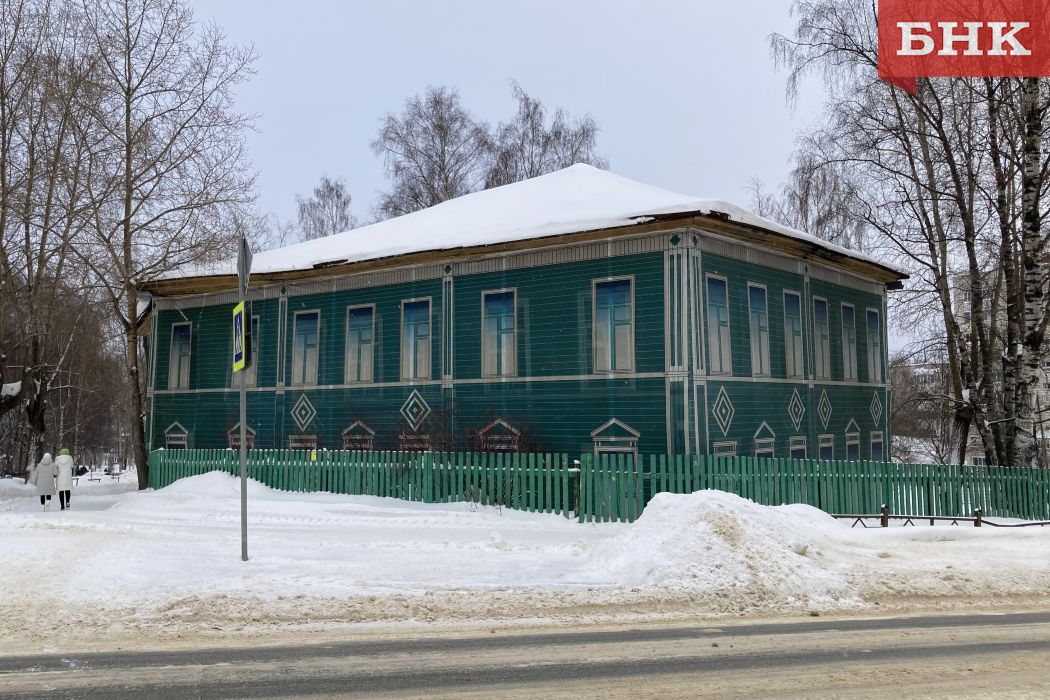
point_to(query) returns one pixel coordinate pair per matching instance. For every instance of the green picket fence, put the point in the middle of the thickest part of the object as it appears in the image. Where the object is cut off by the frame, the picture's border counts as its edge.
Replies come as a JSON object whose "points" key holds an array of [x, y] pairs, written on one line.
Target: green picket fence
{"points": [[616, 488], [539, 483]]}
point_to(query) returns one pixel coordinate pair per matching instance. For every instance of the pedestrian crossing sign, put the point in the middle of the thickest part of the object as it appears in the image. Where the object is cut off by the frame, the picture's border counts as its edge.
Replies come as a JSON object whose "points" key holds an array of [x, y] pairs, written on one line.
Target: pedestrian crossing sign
{"points": [[241, 339]]}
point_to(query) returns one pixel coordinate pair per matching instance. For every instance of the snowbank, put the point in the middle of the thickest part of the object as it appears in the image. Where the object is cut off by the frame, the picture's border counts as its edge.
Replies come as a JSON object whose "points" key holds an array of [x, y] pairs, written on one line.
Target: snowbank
{"points": [[727, 546], [169, 562]]}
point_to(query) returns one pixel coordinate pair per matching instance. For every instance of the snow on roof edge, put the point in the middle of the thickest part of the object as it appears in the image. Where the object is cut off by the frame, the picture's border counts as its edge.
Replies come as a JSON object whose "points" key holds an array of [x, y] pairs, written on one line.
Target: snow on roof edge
{"points": [[577, 199]]}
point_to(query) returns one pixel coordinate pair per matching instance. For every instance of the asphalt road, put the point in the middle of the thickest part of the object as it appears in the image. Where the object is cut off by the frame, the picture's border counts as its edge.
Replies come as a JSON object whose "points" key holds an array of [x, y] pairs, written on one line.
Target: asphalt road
{"points": [[944, 656]]}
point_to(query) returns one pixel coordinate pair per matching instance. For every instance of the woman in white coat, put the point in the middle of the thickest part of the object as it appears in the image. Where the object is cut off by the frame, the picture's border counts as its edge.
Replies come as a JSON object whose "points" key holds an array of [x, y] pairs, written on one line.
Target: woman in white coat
{"points": [[43, 477], [64, 463]]}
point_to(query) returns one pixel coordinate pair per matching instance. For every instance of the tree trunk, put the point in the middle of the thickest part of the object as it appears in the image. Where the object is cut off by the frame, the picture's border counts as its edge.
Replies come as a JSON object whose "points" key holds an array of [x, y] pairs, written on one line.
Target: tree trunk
{"points": [[1034, 268]]}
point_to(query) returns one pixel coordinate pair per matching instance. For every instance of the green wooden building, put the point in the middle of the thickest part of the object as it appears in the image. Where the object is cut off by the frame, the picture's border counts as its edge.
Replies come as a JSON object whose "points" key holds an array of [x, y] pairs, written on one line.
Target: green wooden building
{"points": [[575, 312]]}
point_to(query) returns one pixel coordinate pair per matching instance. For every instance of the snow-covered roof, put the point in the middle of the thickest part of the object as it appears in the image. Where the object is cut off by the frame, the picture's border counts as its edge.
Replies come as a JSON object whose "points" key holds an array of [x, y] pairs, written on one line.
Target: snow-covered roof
{"points": [[576, 199]]}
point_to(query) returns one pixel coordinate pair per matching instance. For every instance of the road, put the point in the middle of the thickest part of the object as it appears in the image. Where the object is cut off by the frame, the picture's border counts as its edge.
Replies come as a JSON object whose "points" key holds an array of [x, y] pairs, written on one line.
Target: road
{"points": [[1005, 655]]}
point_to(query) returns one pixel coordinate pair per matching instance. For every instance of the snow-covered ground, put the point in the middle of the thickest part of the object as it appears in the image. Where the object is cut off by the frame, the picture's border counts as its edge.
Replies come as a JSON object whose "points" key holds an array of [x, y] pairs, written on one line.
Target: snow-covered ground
{"points": [[125, 565]]}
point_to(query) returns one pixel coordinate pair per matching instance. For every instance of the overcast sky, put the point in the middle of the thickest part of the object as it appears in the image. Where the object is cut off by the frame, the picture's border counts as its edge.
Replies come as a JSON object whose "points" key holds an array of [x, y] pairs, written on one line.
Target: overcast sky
{"points": [[685, 92]]}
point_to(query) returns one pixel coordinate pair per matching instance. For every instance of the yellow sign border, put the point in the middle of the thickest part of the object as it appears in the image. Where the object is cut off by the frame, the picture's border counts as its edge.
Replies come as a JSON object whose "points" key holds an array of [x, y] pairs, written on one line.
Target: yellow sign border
{"points": [[238, 365]]}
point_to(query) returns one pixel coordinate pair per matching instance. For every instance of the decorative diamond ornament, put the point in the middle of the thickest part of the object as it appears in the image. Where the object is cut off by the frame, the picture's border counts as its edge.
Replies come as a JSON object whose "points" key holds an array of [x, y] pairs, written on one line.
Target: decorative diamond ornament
{"points": [[824, 409], [303, 412], [415, 410], [675, 240], [723, 411], [876, 408], [796, 409]]}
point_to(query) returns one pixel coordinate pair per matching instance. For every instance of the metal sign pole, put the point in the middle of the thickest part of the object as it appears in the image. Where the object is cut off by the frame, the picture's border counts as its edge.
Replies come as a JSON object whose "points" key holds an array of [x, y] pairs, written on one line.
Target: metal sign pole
{"points": [[244, 266]]}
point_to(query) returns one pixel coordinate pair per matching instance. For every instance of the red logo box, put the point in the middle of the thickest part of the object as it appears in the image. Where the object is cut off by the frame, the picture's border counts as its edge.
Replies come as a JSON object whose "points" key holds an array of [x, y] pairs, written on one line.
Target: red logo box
{"points": [[958, 39]]}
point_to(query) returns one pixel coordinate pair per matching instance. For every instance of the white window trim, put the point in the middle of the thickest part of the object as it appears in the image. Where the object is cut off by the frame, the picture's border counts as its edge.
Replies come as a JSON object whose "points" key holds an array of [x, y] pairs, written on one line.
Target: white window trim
{"points": [[594, 326], [235, 432], [751, 339], [797, 442], [816, 343], [514, 292], [615, 445], [867, 344], [877, 437], [430, 340], [825, 440], [802, 334], [724, 371], [765, 447], [317, 369], [171, 345], [853, 377], [852, 437], [174, 433], [721, 444], [346, 346]]}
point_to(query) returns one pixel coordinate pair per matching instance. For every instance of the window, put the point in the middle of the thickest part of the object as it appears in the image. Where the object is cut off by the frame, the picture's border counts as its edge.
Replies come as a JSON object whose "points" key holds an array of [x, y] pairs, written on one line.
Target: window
{"points": [[821, 340], [499, 436], [724, 449], [251, 373], [793, 367], [233, 437], [874, 336], [852, 446], [759, 315], [876, 447], [613, 326], [764, 447], [499, 347], [826, 448], [306, 347], [615, 437], [176, 437], [179, 357], [849, 344], [797, 448], [415, 339], [718, 340], [360, 334], [302, 442], [359, 436], [414, 442]]}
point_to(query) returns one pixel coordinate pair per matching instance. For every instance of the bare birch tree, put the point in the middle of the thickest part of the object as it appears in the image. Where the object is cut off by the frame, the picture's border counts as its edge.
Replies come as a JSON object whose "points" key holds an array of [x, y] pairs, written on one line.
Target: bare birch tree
{"points": [[528, 146], [434, 151], [169, 170], [327, 212], [951, 179]]}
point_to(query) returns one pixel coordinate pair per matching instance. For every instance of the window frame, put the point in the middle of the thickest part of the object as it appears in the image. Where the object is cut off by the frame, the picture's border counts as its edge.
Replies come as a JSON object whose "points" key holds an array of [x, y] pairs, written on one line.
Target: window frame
{"points": [[825, 440], [513, 291], [874, 359], [765, 448], [317, 367], [173, 438], [729, 445], [723, 369], [801, 354], [877, 436], [594, 327], [430, 340], [346, 346], [819, 346], [189, 356], [751, 331], [795, 443], [852, 364], [853, 439]]}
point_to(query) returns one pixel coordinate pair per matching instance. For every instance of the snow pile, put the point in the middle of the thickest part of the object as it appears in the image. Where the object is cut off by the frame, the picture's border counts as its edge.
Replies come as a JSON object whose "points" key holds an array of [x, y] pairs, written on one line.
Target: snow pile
{"points": [[169, 562], [725, 545], [11, 389]]}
